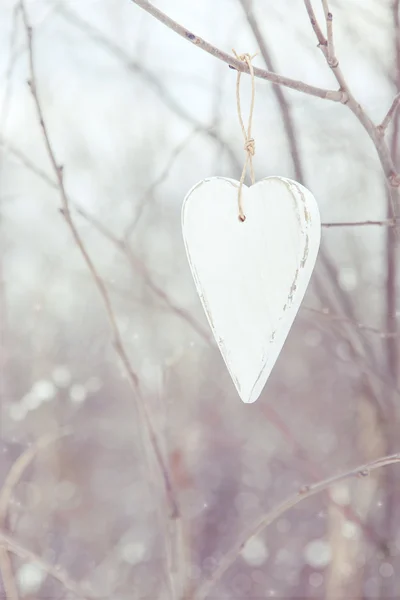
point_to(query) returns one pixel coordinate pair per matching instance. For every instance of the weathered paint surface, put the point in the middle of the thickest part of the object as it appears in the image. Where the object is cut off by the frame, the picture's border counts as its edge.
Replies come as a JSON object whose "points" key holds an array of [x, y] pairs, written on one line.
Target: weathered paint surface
{"points": [[251, 276]]}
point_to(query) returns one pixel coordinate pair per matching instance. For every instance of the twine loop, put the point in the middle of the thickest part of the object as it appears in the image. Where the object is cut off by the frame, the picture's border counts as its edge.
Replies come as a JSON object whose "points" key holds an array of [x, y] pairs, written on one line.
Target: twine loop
{"points": [[249, 143]]}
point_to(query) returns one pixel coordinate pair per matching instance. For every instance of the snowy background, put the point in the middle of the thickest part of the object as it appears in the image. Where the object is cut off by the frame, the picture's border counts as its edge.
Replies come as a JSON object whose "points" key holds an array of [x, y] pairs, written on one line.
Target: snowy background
{"points": [[137, 116]]}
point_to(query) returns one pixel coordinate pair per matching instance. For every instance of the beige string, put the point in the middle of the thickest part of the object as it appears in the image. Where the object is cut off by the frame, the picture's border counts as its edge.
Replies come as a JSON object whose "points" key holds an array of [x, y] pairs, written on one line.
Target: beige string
{"points": [[249, 144]]}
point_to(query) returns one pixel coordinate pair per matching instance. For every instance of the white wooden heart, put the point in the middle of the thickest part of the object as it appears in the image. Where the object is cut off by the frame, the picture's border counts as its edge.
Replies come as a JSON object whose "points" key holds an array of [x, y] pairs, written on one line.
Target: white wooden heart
{"points": [[251, 276]]}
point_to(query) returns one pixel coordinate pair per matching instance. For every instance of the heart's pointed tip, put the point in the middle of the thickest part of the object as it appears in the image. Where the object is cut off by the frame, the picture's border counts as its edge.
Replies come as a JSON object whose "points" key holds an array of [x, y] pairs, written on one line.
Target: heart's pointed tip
{"points": [[249, 398]]}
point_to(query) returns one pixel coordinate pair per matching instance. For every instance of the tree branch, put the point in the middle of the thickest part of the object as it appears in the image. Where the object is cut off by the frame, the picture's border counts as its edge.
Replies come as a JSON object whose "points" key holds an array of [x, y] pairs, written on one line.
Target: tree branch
{"points": [[385, 223], [390, 114], [117, 339], [304, 492], [374, 132], [230, 60], [323, 45], [328, 314], [11, 545], [151, 80], [11, 480], [162, 176], [330, 48]]}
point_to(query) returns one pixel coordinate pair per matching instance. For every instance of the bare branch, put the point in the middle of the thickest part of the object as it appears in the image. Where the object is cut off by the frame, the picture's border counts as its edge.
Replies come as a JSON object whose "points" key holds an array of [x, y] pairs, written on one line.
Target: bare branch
{"points": [[391, 305], [7, 575], [230, 60], [330, 49], [13, 476], [374, 132], [315, 25], [11, 545], [392, 254], [327, 45], [26, 161], [315, 472], [163, 175], [385, 223], [327, 313], [20, 465], [390, 114], [304, 492], [118, 344], [6, 567]]}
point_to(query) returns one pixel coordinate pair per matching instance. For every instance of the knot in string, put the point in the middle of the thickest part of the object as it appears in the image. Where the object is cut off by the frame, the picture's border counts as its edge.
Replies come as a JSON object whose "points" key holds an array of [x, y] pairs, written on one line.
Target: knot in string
{"points": [[249, 144]]}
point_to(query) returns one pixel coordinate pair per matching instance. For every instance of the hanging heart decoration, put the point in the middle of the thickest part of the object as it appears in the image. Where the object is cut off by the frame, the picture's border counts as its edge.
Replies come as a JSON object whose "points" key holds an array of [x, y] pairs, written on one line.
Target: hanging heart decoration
{"points": [[251, 275]]}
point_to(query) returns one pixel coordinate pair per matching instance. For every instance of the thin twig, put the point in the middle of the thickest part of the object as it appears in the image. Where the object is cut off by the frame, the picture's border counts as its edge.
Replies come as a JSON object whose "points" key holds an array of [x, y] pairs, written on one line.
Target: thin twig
{"points": [[392, 347], [330, 48], [392, 254], [315, 25], [13, 477], [327, 313], [323, 45], [390, 114], [57, 572], [315, 472], [230, 60], [7, 575], [20, 465], [6, 100], [163, 175], [304, 492], [384, 223], [27, 162], [118, 344], [6, 567]]}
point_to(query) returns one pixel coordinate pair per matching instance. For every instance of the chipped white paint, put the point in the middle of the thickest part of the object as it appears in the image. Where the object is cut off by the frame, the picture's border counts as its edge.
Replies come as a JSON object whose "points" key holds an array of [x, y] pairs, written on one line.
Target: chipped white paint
{"points": [[251, 277]]}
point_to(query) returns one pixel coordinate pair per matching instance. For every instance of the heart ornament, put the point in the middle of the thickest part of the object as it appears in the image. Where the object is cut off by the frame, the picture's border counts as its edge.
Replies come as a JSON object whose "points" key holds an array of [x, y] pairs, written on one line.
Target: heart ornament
{"points": [[251, 276]]}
